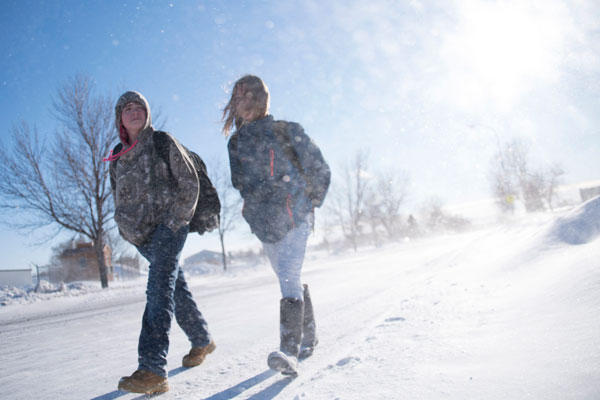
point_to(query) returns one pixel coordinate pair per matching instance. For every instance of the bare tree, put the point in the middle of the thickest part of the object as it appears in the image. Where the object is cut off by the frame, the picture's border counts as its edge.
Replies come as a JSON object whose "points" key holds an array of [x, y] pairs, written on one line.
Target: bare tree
{"points": [[530, 183], [349, 196], [327, 227], [433, 214], [504, 192], [62, 182], [512, 177], [392, 189], [533, 188], [231, 203], [507, 165], [382, 203], [374, 215], [436, 219]]}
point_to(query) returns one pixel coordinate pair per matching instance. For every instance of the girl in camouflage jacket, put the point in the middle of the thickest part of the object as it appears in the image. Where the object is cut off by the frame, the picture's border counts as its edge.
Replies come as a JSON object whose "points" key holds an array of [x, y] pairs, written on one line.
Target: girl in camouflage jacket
{"points": [[155, 198]]}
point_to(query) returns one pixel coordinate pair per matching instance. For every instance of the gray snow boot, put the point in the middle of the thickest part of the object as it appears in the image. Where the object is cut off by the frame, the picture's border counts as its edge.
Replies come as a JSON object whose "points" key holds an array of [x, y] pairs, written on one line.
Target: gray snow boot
{"points": [[291, 315], [309, 328]]}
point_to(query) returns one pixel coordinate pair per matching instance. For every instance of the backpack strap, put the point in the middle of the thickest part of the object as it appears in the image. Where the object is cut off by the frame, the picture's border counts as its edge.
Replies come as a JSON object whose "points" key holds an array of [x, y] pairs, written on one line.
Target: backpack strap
{"points": [[161, 145], [117, 149]]}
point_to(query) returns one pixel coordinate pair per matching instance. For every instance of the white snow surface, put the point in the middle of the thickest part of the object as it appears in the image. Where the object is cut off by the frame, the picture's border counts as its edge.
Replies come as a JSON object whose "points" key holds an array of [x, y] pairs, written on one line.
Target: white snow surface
{"points": [[508, 311]]}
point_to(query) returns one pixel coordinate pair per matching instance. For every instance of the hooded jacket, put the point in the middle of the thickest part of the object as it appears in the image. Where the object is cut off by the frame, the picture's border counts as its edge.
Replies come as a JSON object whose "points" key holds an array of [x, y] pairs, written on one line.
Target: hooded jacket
{"points": [[276, 194], [147, 189]]}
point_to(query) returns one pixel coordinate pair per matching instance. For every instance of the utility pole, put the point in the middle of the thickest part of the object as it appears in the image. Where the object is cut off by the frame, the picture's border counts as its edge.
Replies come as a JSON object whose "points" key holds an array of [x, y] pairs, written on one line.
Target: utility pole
{"points": [[37, 269]]}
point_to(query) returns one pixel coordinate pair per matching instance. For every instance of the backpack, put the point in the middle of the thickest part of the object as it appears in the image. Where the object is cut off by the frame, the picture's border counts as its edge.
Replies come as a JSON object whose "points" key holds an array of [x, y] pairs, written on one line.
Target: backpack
{"points": [[208, 208], [285, 142], [316, 186]]}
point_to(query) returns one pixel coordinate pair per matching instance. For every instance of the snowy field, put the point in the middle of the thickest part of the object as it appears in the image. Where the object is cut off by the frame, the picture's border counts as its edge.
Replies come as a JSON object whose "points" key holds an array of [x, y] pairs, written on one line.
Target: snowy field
{"points": [[508, 311]]}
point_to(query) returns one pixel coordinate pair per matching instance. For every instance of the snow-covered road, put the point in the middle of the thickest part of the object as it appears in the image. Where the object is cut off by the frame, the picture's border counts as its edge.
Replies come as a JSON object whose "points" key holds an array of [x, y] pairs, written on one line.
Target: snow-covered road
{"points": [[495, 313]]}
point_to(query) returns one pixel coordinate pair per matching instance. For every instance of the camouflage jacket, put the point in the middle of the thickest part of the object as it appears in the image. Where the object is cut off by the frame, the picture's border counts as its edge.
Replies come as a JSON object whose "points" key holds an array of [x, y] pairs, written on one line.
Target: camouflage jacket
{"points": [[149, 191]]}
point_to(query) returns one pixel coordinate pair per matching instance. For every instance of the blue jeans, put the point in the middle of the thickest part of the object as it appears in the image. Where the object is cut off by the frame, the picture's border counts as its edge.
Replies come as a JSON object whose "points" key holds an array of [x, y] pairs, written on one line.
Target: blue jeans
{"points": [[167, 293], [286, 258]]}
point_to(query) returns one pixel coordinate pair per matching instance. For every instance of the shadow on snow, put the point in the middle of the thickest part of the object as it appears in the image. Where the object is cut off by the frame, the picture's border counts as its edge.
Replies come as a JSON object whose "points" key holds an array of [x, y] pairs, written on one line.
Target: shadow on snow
{"points": [[266, 394]]}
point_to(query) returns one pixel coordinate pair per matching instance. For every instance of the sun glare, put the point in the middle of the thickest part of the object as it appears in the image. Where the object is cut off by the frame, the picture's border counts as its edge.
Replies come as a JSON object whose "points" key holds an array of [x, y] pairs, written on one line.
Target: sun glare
{"points": [[499, 50]]}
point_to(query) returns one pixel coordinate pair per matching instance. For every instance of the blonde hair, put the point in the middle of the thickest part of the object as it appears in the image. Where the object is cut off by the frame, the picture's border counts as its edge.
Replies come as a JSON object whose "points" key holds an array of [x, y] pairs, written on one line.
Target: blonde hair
{"points": [[256, 91]]}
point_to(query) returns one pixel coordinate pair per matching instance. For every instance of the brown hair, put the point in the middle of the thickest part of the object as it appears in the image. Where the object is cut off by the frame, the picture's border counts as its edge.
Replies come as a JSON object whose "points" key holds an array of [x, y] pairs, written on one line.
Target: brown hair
{"points": [[256, 91]]}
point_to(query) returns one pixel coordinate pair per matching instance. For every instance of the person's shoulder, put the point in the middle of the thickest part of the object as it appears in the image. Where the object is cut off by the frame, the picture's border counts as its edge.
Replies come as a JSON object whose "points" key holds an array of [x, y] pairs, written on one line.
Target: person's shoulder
{"points": [[165, 143], [296, 133], [163, 139], [162, 136], [233, 138], [289, 126]]}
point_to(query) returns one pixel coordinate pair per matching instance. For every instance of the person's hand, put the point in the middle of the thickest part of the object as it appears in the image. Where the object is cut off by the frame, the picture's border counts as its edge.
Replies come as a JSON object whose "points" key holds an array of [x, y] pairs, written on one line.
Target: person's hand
{"points": [[210, 223]]}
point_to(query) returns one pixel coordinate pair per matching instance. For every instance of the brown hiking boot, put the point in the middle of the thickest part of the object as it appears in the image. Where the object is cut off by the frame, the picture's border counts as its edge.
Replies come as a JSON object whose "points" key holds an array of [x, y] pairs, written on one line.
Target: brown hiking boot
{"points": [[142, 381], [197, 355]]}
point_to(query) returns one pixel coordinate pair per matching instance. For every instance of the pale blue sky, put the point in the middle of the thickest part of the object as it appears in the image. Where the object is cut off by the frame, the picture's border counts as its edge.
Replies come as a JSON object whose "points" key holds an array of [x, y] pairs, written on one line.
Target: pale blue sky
{"points": [[425, 86]]}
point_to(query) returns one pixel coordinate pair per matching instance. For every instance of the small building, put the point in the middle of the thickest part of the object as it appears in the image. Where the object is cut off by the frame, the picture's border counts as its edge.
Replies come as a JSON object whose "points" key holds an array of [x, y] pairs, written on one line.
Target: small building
{"points": [[16, 277], [80, 263], [203, 257], [203, 262]]}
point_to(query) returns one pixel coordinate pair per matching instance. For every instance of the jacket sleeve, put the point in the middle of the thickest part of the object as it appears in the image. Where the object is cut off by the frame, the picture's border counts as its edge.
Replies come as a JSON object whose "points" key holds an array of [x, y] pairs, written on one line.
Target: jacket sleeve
{"points": [[315, 167], [185, 187]]}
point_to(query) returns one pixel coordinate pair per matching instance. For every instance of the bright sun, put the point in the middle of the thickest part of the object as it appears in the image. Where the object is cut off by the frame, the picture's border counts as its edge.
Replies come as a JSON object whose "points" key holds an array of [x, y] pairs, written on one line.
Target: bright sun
{"points": [[501, 49]]}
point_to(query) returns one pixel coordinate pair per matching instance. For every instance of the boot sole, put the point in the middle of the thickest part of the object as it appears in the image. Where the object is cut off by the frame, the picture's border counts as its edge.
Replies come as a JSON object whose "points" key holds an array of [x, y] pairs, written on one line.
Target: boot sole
{"points": [[160, 388], [278, 361]]}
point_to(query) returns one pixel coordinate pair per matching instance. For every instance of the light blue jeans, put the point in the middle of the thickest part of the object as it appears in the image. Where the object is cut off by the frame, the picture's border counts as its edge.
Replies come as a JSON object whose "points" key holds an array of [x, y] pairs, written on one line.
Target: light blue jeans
{"points": [[286, 258]]}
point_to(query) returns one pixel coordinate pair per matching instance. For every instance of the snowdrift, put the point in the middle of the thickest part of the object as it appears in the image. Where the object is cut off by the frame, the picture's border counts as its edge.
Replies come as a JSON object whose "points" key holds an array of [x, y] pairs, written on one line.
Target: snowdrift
{"points": [[580, 226]]}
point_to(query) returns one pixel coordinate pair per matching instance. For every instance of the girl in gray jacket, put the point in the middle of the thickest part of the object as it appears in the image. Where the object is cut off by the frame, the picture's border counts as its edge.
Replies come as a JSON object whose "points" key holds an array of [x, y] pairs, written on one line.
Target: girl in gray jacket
{"points": [[282, 177]]}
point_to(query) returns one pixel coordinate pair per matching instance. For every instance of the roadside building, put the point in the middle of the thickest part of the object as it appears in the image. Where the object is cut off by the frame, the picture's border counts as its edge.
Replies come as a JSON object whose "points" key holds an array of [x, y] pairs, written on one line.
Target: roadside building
{"points": [[16, 277], [80, 263]]}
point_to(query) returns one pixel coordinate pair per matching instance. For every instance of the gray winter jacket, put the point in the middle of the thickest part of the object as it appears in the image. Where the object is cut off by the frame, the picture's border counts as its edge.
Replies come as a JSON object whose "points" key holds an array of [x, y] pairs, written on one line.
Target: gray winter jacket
{"points": [[277, 195], [148, 190]]}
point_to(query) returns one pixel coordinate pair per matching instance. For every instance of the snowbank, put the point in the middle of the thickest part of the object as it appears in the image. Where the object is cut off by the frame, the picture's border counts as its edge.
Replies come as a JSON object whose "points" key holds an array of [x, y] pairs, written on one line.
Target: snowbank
{"points": [[10, 295], [580, 226], [46, 291]]}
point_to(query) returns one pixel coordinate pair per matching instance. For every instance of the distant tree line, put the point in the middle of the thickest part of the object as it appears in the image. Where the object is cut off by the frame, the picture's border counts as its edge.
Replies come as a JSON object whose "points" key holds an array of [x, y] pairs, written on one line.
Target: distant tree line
{"points": [[369, 207]]}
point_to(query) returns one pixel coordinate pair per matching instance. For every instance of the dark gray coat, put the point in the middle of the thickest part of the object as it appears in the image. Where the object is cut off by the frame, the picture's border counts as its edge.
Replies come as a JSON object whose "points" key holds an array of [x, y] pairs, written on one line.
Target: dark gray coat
{"points": [[277, 196]]}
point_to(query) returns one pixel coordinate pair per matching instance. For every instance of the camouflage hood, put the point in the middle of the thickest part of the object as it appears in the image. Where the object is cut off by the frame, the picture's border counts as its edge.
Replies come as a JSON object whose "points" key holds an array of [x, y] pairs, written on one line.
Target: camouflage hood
{"points": [[126, 98]]}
